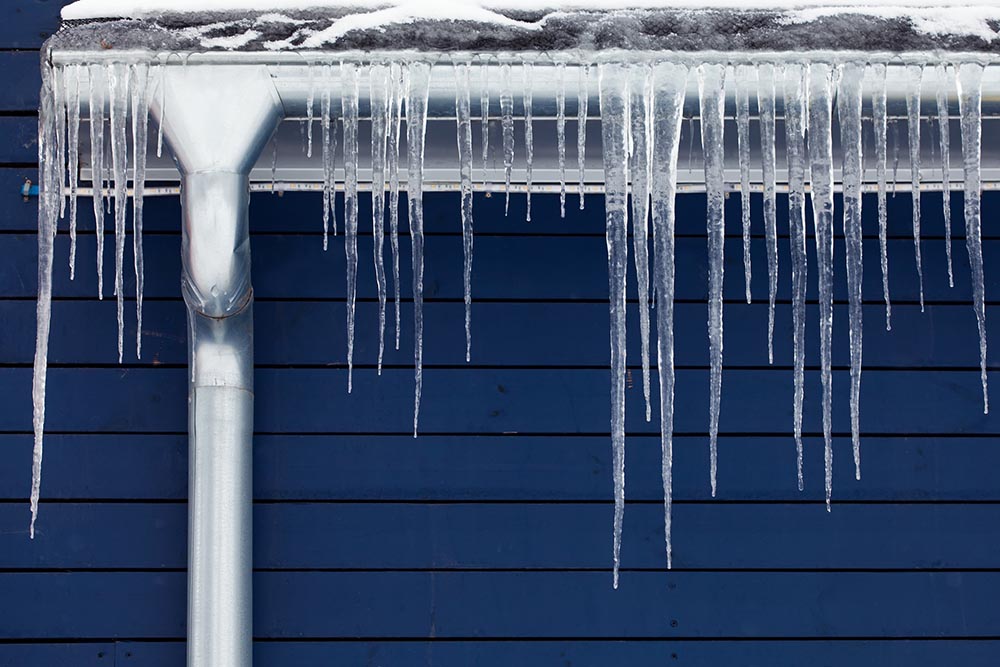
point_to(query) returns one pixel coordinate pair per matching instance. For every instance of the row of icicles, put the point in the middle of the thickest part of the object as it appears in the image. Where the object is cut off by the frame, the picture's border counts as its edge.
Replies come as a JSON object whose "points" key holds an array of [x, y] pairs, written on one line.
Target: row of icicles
{"points": [[642, 113]]}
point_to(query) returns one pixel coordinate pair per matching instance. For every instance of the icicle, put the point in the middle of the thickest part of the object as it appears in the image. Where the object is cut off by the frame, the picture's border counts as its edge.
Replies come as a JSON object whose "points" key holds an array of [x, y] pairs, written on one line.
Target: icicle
{"points": [[712, 96], [796, 81], [879, 121], [529, 141], [48, 211], [765, 103], [849, 113], [392, 153], [583, 99], [944, 136], [163, 109], [745, 78], [507, 122], [670, 84], [118, 88], [326, 123], [614, 125], [310, 112], [464, 129], [98, 83], [561, 136], [913, 75], [894, 126], [349, 106], [970, 93], [380, 96], [72, 80], [640, 108], [821, 181], [140, 131], [484, 103], [59, 104], [416, 129]]}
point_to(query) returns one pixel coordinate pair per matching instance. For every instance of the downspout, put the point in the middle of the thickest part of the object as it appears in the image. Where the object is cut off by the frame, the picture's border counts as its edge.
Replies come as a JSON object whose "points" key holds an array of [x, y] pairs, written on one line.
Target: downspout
{"points": [[218, 120]]}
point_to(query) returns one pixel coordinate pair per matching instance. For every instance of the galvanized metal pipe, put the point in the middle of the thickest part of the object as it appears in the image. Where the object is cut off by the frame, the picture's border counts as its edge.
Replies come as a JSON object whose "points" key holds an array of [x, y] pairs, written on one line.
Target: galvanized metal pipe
{"points": [[218, 121]]}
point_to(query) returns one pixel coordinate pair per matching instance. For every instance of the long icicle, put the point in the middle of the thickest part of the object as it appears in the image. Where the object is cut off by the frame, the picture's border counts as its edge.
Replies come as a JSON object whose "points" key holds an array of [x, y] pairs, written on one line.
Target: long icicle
{"points": [[821, 182], [582, 100], [349, 108], [879, 120], [640, 109], [970, 97], [98, 84], [118, 89], [669, 86], [507, 124], [392, 155], [614, 124], [48, 210], [72, 78], [914, 73], [416, 130], [796, 81], [944, 134], [561, 135], [326, 126], [379, 92], [765, 104], [140, 133], [529, 134], [745, 78], [464, 131], [849, 114], [712, 96]]}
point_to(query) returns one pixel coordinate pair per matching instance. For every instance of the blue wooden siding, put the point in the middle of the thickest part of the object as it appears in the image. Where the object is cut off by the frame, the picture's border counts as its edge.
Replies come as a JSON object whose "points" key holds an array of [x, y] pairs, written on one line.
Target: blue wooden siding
{"points": [[487, 540]]}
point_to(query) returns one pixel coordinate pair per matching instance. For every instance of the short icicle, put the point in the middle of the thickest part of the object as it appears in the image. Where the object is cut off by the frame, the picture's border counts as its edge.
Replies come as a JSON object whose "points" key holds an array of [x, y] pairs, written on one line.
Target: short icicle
{"points": [[140, 133], [970, 97], [310, 111], [821, 181], [669, 87], [879, 120], [50, 173], [849, 114], [944, 136], [328, 148], [349, 107], [119, 93], [640, 109], [484, 104], [392, 156], [416, 130], [71, 77], [98, 87], [561, 135], [765, 104], [746, 76], [796, 81], [507, 125], [614, 98], [712, 96], [464, 130], [914, 74], [529, 136], [582, 100], [379, 95]]}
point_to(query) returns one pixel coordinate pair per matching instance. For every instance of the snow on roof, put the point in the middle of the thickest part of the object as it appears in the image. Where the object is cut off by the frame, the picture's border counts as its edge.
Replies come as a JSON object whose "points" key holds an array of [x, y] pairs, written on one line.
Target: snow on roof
{"points": [[432, 9]]}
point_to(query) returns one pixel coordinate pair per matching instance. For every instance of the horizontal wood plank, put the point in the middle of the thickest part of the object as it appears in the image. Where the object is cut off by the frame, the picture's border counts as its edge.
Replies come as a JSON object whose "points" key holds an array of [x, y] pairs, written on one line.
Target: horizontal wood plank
{"points": [[507, 468], [29, 23], [361, 605], [564, 536]]}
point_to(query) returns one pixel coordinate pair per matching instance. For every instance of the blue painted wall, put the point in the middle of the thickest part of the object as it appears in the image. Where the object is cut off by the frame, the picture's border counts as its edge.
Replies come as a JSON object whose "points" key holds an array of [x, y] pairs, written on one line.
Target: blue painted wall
{"points": [[488, 540]]}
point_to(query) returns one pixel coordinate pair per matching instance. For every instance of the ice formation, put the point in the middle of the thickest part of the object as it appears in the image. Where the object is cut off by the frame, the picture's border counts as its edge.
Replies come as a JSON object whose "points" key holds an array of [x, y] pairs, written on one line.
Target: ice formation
{"points": [[641, 111]]}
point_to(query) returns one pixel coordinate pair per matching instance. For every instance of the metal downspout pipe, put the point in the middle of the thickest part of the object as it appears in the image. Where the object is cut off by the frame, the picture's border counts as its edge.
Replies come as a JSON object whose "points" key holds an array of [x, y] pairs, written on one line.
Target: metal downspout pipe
{"points": [[217, 123]]}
